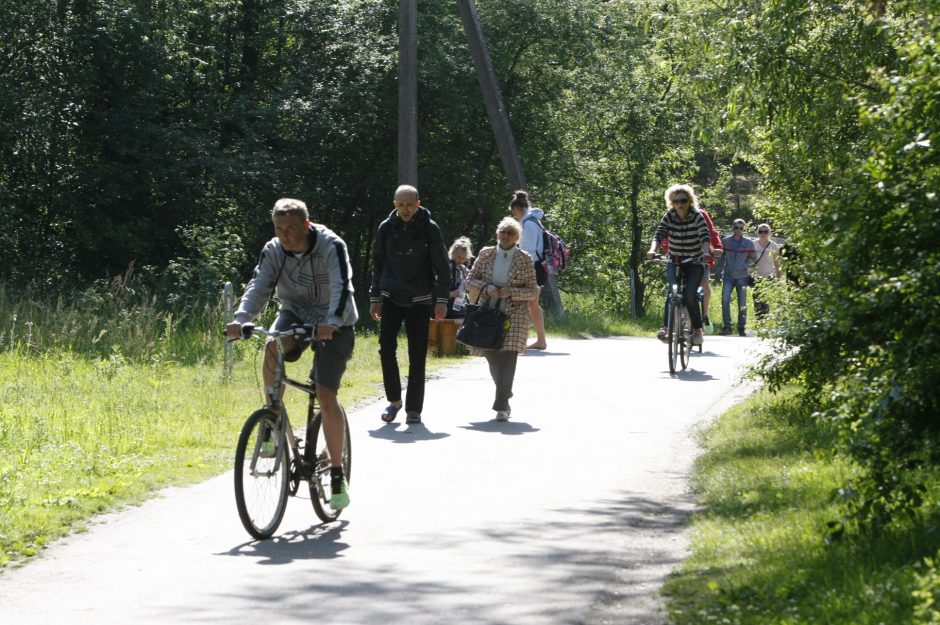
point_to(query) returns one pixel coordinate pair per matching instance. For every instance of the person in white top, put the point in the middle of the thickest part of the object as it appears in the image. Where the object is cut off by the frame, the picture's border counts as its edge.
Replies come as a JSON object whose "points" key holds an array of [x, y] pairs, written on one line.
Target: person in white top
{"points": [[532, 242], [766, 268]]}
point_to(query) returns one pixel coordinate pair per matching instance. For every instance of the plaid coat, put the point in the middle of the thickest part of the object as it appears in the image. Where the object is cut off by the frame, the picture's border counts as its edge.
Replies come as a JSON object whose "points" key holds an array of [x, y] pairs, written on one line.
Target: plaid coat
{"points": [[522, 287]]}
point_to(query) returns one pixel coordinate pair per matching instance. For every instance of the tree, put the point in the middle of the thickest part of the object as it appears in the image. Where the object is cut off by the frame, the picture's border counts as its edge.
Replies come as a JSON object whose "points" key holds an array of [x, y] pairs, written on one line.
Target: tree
{"points": [[844, 102]]}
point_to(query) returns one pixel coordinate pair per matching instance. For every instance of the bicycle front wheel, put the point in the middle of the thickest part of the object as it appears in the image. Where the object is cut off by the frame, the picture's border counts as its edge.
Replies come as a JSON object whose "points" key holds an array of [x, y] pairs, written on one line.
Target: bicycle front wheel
{"points": [[262, 475], [317, 459], [685, 334], [674, 331]]}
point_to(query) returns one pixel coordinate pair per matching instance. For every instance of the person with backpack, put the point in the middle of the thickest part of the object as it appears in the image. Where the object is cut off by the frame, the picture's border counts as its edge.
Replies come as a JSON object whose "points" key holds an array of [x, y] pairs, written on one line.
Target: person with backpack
{"points": [[410, 282], [532, 242]]}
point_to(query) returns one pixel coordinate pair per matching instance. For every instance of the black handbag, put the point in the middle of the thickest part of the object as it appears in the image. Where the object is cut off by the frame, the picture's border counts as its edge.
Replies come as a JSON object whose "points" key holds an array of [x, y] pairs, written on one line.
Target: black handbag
{"points": [[483, 326]]}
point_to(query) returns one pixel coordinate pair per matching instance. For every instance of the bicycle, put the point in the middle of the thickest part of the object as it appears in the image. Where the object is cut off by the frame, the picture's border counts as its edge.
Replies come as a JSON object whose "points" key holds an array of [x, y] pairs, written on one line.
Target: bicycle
{"points": [[271, 461], [679, 322]]}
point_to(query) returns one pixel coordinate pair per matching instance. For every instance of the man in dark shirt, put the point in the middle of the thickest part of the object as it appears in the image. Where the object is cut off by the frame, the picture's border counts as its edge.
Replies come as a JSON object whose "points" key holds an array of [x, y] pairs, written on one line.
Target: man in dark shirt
{"points": [[410, 282]]}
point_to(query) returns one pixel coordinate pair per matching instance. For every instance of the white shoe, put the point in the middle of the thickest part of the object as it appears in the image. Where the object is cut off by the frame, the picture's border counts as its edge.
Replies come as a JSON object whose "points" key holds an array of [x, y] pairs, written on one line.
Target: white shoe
{"points": [[502, 415]]}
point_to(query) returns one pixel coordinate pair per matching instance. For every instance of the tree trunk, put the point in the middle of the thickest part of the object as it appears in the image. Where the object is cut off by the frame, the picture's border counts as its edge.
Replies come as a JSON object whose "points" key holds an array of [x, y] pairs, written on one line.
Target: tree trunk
{"points": [[638, 288]]}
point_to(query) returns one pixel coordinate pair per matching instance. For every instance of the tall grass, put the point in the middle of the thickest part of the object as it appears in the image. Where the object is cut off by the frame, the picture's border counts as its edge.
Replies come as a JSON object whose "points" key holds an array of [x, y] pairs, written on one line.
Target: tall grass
{"points": [[110, 393]]}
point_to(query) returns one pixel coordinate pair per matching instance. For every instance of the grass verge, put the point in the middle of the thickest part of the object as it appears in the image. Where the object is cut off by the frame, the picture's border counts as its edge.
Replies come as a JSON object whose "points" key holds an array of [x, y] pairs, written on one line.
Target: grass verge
{"points": [[759, 555], [80, 435]]}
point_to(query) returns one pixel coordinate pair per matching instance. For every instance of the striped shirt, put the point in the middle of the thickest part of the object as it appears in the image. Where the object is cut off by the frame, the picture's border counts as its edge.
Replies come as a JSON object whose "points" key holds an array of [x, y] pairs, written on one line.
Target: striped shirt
{"points": [[686, 237]]}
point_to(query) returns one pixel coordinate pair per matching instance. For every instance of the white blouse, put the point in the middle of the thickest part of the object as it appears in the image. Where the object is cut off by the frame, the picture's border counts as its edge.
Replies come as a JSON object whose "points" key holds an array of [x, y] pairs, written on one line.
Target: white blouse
{"points": [[502, 266]]}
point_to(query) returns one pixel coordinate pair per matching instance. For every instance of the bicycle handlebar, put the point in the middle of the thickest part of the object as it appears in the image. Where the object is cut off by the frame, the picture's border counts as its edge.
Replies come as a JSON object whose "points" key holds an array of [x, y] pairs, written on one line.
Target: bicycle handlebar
{"points": [[691, 260], [306, 331]]}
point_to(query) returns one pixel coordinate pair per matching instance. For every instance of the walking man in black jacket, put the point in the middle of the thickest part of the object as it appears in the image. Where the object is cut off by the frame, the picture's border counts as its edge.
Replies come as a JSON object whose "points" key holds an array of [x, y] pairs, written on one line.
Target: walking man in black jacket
{"points": [[410, 282]]}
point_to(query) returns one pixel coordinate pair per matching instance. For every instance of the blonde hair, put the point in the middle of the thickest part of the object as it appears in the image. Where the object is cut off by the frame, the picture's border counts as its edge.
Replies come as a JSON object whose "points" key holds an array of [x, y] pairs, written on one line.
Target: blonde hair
{"points": [[289, 206], [683, 188], [462, 243], [509, 224]]}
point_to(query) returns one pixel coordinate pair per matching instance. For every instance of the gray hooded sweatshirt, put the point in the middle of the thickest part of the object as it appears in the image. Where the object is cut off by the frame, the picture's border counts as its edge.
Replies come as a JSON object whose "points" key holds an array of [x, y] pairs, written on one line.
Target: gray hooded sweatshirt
{"points": [[316, 286]]}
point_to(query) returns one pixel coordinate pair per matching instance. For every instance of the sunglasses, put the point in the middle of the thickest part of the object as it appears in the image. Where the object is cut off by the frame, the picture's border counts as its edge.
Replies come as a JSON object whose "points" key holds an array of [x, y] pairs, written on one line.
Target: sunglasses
{"points": [[680, 200], [739, 227], [763, 232]]}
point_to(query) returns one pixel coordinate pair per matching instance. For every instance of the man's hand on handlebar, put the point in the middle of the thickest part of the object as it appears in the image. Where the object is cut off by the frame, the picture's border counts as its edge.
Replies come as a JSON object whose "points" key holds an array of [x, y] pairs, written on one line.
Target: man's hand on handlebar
{"points": [[233, 331], [325, 332]]}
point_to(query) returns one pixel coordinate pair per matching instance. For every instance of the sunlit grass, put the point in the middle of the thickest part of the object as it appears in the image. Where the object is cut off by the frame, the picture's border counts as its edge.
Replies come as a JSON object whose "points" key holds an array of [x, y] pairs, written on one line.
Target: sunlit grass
{"points": [[106, 401], [759, 553]]}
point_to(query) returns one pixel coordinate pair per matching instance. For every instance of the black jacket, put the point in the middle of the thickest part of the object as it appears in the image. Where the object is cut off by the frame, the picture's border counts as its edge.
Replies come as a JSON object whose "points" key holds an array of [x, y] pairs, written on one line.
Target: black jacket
{"points": [[409, 261]]}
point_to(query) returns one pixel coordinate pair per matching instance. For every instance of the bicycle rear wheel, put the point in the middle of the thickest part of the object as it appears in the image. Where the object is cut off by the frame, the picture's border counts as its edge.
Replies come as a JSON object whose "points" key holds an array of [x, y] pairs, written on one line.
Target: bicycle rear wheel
{"points": [[261, 483], [685, 336], [673, 332], [317, 460]]}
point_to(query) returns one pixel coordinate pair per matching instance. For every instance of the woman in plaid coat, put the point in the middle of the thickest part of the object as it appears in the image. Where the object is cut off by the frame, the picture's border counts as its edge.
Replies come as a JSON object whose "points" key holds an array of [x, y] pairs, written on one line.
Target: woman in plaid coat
{"points": [[506, 272]]}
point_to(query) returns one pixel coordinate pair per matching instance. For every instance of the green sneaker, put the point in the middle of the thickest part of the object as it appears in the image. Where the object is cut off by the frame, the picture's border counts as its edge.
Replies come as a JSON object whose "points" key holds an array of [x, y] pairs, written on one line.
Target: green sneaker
{"points": [[339, 497], [267, 444]]}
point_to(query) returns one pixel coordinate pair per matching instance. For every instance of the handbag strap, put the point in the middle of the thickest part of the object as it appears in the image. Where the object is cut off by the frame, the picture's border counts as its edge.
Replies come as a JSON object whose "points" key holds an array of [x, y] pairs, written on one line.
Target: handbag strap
{"points": [[480, 294]]}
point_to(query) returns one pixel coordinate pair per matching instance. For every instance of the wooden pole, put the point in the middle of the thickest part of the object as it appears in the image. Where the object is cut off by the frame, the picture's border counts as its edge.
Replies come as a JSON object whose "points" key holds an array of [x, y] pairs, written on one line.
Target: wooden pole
{"points": [[408, 93], [495, 108]]}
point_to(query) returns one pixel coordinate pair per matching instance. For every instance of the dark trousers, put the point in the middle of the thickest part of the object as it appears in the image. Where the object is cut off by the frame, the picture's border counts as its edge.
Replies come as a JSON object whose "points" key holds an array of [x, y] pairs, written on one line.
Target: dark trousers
{"points": [[503, 370], [761, 307], [416, 320], [693, 280]]}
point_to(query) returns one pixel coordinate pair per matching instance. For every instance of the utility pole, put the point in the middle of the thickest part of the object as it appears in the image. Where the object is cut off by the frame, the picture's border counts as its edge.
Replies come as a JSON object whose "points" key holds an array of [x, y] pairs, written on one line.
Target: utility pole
{"points": [[499, 120], [408, 93], [495, 108]]}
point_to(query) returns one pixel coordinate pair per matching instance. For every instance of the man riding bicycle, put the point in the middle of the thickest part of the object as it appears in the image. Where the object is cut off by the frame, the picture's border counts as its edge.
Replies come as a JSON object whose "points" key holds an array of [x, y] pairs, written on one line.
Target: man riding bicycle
{"points": [[308, 266], [688, 236]]}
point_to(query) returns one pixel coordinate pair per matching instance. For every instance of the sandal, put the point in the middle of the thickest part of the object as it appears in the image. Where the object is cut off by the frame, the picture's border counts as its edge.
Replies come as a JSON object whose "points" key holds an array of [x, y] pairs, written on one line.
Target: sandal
{"points": [[389, 414]]}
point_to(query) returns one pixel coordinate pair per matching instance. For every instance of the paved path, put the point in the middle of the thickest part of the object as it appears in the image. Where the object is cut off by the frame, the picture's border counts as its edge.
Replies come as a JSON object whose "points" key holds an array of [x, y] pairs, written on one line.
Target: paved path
{"points": [[571, 513]]}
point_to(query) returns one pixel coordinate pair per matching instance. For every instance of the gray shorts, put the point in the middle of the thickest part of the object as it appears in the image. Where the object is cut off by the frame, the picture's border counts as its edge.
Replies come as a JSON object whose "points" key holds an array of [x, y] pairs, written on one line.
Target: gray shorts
{"points": [[332, 355]]}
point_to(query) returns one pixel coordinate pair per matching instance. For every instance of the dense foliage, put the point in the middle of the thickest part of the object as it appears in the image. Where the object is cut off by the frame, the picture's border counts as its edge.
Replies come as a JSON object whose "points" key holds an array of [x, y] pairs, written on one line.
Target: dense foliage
{"points": [[141, 132], [151, 138], [844, 102]]}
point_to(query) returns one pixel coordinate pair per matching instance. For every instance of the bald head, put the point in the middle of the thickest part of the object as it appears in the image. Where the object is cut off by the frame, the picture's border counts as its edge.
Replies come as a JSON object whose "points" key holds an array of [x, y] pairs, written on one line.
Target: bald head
{"points": [[406, 202]]}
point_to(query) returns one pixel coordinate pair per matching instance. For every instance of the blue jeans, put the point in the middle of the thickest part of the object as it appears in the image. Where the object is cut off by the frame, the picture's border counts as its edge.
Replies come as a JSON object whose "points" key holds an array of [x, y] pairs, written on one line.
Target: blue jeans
{"points": [[739, 285]]}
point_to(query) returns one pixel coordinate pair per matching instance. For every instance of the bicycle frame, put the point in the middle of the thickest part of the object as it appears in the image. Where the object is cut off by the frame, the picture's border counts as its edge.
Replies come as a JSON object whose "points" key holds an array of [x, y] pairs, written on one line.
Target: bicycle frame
{"points": [[290, 460], [678, 322]]}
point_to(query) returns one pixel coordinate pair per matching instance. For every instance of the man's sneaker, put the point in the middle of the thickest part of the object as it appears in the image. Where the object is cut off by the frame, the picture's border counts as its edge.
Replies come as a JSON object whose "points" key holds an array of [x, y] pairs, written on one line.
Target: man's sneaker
{"points": [[741, 332], [661, 335], [725, 332], [268, 446], [339, 493], [697, 337], [502, 415], [413, 417]]}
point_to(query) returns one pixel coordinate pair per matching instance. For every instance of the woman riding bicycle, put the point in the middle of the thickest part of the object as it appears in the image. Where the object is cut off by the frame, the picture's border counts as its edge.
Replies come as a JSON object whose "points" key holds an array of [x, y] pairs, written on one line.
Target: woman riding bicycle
{"points": [[689, 241], [307, 265]]}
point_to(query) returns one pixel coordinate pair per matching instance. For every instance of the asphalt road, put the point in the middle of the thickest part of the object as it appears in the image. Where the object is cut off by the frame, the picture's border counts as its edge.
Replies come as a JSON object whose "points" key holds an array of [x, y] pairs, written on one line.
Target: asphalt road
{"points": [[572, 512]]}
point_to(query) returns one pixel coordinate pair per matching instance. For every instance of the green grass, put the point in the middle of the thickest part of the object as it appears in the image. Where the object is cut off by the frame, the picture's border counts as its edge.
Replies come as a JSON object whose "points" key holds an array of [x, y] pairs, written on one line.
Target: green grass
{"points": [[107, 398], [759, 554], [81, 435]]}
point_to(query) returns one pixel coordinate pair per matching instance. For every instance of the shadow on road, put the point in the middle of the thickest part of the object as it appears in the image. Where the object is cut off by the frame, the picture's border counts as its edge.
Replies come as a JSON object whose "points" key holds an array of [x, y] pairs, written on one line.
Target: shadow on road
{"points": [[544, 352], [500, 427], [320, 542], [601, 553], [410, 433]]}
